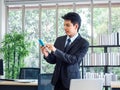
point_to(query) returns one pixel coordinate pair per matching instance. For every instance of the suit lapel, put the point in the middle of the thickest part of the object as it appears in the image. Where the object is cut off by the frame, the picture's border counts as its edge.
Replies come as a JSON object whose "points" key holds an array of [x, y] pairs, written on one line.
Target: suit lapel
{"points": [[63, 43], [75, 42]]}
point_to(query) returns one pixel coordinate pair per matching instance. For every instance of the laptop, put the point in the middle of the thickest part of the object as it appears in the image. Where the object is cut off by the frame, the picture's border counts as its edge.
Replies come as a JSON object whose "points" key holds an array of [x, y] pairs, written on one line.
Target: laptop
{"points": [[86, 84]]}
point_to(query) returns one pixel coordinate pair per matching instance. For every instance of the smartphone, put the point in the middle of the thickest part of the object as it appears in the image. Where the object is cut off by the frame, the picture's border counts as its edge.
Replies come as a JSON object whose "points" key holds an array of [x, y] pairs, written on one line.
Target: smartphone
{"points": [[41, 42]]}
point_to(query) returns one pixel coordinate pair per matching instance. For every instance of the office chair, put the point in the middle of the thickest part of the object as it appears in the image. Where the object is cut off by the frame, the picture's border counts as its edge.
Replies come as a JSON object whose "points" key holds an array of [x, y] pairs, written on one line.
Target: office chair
{"points": [[44, 82], [29, 73]]}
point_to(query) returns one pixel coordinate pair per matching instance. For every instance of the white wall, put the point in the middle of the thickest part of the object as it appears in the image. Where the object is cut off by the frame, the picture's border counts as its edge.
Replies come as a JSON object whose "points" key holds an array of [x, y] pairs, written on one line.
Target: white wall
{"points": [[2, 24], [0, 17], [2, 21]]}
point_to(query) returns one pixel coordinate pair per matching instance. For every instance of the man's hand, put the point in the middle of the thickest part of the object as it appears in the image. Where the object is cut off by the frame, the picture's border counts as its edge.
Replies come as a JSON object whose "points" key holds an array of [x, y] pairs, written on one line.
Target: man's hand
{"points": [[51, 47], [44, 51]]}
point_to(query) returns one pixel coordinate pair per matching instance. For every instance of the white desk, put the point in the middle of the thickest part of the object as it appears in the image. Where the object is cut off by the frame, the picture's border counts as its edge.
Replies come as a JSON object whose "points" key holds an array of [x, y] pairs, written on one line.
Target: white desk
{"points": [[14, 85]]}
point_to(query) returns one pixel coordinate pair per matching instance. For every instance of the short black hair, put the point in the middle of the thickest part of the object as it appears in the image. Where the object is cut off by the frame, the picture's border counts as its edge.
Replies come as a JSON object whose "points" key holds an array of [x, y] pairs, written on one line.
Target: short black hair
{"points": [[74, 18]]}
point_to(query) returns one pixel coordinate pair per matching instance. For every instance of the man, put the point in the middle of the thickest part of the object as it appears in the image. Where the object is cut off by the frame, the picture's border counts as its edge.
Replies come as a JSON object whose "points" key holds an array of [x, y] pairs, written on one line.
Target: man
{"points": [[67, 53]]}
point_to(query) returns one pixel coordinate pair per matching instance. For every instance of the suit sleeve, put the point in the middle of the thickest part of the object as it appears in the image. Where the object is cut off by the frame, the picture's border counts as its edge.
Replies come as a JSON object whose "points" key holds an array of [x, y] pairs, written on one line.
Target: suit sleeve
{"points": [[51, 58], [73, 58]]}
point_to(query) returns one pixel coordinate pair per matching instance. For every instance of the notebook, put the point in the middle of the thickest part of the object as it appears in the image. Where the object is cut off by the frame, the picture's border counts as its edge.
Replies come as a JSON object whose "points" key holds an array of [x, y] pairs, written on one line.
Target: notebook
{"points": [[86, 84]]}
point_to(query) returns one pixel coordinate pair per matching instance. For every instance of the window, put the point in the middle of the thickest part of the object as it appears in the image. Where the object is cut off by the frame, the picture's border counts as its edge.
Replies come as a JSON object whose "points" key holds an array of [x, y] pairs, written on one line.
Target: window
{"points": [[15, 18], [31, 26], [48, 33], [44, 21]]}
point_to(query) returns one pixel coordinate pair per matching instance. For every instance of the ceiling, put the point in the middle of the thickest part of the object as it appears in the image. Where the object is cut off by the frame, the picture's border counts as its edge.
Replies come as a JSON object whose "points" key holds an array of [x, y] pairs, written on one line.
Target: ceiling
{"points": [[12, 2]]}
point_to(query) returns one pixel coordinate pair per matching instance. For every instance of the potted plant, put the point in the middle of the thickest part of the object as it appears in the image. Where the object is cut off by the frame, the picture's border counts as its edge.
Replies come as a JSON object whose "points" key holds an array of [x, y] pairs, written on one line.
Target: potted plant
{"points": [[14, 49]]}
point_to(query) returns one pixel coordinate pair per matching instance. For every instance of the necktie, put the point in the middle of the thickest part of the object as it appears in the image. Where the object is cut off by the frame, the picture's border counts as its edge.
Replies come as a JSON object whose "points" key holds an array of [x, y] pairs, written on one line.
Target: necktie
{"points": [[67, 45]]}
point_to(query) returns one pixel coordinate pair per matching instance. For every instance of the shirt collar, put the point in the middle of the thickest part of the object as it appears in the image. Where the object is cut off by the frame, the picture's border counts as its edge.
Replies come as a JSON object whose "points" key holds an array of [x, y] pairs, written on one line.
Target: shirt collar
{"points": [[73, 38]]}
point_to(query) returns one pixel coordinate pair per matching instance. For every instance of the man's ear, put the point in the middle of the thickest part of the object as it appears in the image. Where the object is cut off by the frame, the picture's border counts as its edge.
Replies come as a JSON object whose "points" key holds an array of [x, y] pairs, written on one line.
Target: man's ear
{"points": [[76, 26]]}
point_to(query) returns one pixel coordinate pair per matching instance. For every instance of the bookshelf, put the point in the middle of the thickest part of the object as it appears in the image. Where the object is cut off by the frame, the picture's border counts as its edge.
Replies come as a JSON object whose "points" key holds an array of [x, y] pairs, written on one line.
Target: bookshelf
{"points": [[104, 59]]}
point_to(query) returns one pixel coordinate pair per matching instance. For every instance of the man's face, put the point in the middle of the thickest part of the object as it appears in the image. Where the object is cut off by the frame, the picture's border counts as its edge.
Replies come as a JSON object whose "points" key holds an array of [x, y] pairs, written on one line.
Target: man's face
{"points": [[69, 28]]}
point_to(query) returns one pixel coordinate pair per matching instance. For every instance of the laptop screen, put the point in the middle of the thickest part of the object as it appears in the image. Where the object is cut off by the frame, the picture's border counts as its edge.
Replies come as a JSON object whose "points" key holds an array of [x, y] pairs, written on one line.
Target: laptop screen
{"points": [[1, 67], [86, 84]]}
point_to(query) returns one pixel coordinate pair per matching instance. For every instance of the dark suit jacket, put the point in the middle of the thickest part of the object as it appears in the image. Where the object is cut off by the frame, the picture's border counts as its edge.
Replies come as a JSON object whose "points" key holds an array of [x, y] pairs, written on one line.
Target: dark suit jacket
{"points": [[67, 63]]}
